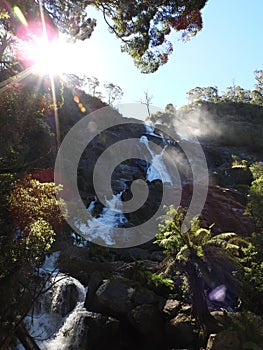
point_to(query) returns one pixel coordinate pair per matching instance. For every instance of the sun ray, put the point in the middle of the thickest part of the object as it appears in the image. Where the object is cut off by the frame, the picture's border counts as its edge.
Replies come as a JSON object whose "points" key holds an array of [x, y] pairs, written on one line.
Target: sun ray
{"points": [[51, 76]]}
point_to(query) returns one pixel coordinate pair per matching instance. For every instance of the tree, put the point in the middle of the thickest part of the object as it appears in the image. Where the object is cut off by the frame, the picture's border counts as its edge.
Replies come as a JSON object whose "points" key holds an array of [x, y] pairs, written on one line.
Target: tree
{"points": [[236, 94], [26, 140], [142, 26], [209, 94], [31, 215], [114, 92], [164, 118], [255, 201], [147, 101], [205, 259], [257, 94], [93, 84], [259, 78], [71, 17]]}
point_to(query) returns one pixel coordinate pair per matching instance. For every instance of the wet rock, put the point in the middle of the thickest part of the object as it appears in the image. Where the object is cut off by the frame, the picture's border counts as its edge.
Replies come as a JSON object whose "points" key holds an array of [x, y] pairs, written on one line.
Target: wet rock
{"points": [[65, 298]]}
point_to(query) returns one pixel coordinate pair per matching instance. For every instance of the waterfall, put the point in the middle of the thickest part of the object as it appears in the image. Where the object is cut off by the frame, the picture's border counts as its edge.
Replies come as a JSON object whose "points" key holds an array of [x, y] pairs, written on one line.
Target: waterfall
{"points": [[56, 321], [157, 169], [111, 216], [149, 130]]}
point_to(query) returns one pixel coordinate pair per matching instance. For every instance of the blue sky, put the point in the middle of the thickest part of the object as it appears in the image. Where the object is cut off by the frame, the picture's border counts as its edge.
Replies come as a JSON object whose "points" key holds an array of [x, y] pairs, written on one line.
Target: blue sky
{"points": [[228, 49]]}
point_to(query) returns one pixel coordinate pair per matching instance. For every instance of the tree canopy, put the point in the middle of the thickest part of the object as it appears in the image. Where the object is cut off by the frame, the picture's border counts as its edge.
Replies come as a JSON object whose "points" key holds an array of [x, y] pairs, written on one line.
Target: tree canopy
{"points": [[142, 26]]}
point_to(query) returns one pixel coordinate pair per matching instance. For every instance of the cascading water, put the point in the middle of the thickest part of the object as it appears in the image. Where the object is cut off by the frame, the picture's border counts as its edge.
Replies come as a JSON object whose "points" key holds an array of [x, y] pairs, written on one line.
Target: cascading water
{"points": [[57, 319], [157, 170], [111, 216]]}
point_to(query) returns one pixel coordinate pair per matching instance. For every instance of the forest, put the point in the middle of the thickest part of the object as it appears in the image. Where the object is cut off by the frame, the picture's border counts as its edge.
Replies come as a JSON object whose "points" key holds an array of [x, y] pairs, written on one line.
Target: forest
{"points": [[81, 267]]}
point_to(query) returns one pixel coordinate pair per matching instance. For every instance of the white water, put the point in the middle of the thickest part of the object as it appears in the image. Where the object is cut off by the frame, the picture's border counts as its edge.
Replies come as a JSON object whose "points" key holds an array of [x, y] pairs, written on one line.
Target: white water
{"points": [[101, 227], [92, 205], [157, 170], [149, 130], [46, 325]]}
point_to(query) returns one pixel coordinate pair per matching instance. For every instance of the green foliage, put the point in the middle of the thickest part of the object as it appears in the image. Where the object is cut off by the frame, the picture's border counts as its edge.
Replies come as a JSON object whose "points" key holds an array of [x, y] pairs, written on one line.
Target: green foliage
{"points": [[256, 170], [232, 94], [143, 27], [205, 259], [31, 200], [165, 118], [37, 213], [255, 201], [182, 244], [24, 141], [160, 279], [236, 94], [209, 94]]}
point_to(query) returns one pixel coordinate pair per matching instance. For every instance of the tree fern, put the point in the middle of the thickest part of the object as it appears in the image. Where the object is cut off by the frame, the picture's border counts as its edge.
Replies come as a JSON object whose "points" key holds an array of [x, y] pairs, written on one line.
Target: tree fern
{"points": [[207, 259]]}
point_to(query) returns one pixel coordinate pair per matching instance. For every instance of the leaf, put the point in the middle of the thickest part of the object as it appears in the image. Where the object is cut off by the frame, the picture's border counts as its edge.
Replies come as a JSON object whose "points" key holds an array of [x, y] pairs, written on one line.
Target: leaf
{"points": [[183, 254]]}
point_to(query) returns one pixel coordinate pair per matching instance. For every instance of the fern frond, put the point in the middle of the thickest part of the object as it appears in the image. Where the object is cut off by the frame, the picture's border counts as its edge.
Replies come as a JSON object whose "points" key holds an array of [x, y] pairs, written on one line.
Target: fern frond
{"points": [[184, 253], [225, 235]]}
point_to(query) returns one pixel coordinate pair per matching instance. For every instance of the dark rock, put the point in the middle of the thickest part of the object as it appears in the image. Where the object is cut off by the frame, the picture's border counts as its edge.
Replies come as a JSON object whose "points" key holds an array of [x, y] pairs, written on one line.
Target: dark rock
{"points": [[143, 295], [66, 298], [180, 331], [234, 176], [158, 256], [222, 209], [113, 298], [131, 270], [172, 307], [225, 340], [100, 332], [77, 262], [133, 254], [148, 321]]}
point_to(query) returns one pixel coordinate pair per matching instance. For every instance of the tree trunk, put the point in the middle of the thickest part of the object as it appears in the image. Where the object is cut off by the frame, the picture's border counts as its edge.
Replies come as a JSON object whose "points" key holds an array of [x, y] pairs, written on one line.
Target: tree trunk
{"points": [[25, 338], [199, 305]]}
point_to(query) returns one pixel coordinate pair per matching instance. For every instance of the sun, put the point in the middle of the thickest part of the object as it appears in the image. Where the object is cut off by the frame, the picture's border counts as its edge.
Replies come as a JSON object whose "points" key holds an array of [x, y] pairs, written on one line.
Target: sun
{"points": [[48, 53], [51, 57], [44, 56], [42, 49]]}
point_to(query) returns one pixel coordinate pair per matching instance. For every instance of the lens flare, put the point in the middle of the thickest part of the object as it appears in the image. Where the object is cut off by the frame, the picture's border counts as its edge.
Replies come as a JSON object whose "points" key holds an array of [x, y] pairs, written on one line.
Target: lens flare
{"points": [[19, 14]]}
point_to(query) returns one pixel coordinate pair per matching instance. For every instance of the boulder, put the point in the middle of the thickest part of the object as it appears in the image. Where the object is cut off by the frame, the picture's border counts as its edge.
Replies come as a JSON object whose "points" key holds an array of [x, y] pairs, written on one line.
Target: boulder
{"points": [[143, 295], [222, 209], [149, 322], [112, 298], [65, 297], [171, 308], [100, 332], [146, 318], [77, 263], [225, 340], [180, 331]]}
